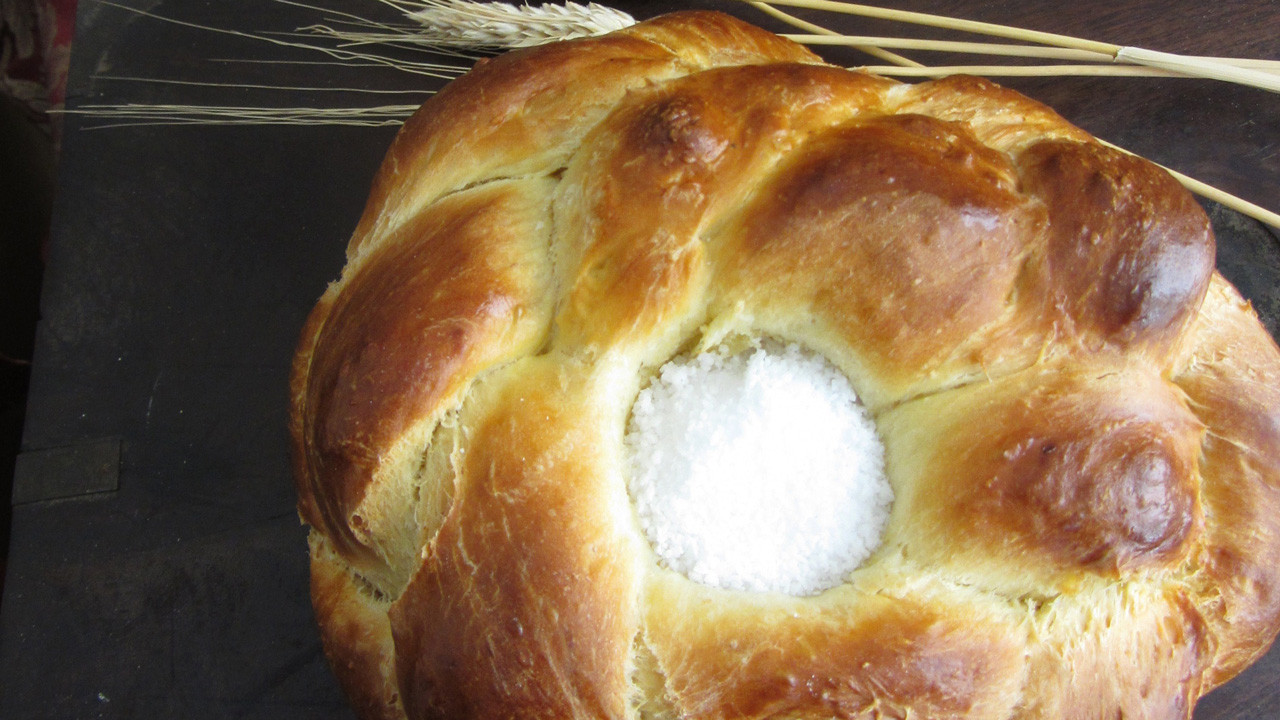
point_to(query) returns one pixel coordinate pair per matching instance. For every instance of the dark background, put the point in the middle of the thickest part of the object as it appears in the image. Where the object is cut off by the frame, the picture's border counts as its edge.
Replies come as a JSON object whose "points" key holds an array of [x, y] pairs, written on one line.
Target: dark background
{"points": [[157, 566]]}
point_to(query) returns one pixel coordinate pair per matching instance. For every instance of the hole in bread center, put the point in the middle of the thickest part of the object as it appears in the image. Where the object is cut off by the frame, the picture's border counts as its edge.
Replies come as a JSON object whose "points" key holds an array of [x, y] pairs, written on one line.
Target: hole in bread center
{"points": [[758, 471]]}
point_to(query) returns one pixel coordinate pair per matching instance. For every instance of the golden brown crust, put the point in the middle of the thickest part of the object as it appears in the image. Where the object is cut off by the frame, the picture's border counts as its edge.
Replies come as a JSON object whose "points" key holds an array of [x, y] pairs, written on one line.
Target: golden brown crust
{"points": [[1231, 375], [356, 635], [1082, 421], [1089, 648], [901, 233], [1129, 253], [925, 650], [454, 291], [545, 628], [1000, 118], [650, 183], [1072, 472]]}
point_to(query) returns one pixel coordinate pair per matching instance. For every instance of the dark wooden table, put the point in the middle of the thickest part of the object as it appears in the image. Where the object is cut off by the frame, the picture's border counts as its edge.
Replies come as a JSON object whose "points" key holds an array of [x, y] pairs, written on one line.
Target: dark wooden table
{"points": [[158, 568]]}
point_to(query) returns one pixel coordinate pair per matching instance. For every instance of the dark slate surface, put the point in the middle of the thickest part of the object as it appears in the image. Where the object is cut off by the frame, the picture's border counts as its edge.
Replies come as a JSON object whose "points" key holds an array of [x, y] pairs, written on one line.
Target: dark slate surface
{"points": [[184, 260]]}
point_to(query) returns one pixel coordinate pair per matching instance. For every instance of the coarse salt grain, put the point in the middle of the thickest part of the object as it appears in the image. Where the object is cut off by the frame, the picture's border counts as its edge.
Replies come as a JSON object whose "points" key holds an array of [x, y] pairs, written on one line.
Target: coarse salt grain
{"points": [[759, 471]]}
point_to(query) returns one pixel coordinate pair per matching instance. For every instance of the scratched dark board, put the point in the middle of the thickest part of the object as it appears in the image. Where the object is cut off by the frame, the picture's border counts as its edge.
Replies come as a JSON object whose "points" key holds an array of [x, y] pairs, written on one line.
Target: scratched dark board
{"points": [[158, 568]]}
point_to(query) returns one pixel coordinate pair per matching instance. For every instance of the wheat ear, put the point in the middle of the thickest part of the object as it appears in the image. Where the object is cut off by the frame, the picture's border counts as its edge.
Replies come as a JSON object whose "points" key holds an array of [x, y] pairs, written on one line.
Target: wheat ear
{"points": [[464, 24]]}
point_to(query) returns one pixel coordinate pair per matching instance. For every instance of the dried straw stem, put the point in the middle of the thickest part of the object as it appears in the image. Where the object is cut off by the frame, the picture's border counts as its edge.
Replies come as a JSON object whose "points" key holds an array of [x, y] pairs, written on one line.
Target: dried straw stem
{"points": [[1023, 51], [933, 71], [820, 32], [1199, 67], [257, 86], [138, 114], [948, 23], [1040, 52], [1211, 68], [429, 69]]}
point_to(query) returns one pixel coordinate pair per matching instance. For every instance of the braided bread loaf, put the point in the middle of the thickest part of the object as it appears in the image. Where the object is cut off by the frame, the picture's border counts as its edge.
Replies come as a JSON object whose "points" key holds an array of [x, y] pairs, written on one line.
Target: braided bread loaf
{"points": [[1080, 417]]}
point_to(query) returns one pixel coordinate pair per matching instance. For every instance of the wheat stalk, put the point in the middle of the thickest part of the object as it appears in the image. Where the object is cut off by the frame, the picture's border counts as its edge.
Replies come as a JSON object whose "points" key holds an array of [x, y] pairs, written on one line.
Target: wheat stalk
{"points": [[430, 69], [1063, 70], [1211, 68], [261, 86], [1040, 52], [949, 23], [440, 26], [140, 114], [871, 49]]}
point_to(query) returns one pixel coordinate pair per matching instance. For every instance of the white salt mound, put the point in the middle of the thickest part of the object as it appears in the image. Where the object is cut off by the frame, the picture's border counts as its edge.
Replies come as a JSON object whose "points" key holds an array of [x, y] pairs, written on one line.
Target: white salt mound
{"points": [[758, 472]]}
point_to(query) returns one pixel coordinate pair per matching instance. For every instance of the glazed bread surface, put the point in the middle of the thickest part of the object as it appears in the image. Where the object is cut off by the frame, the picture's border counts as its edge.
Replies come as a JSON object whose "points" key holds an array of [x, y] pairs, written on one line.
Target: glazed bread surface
{"points": [[1081, 418]]}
